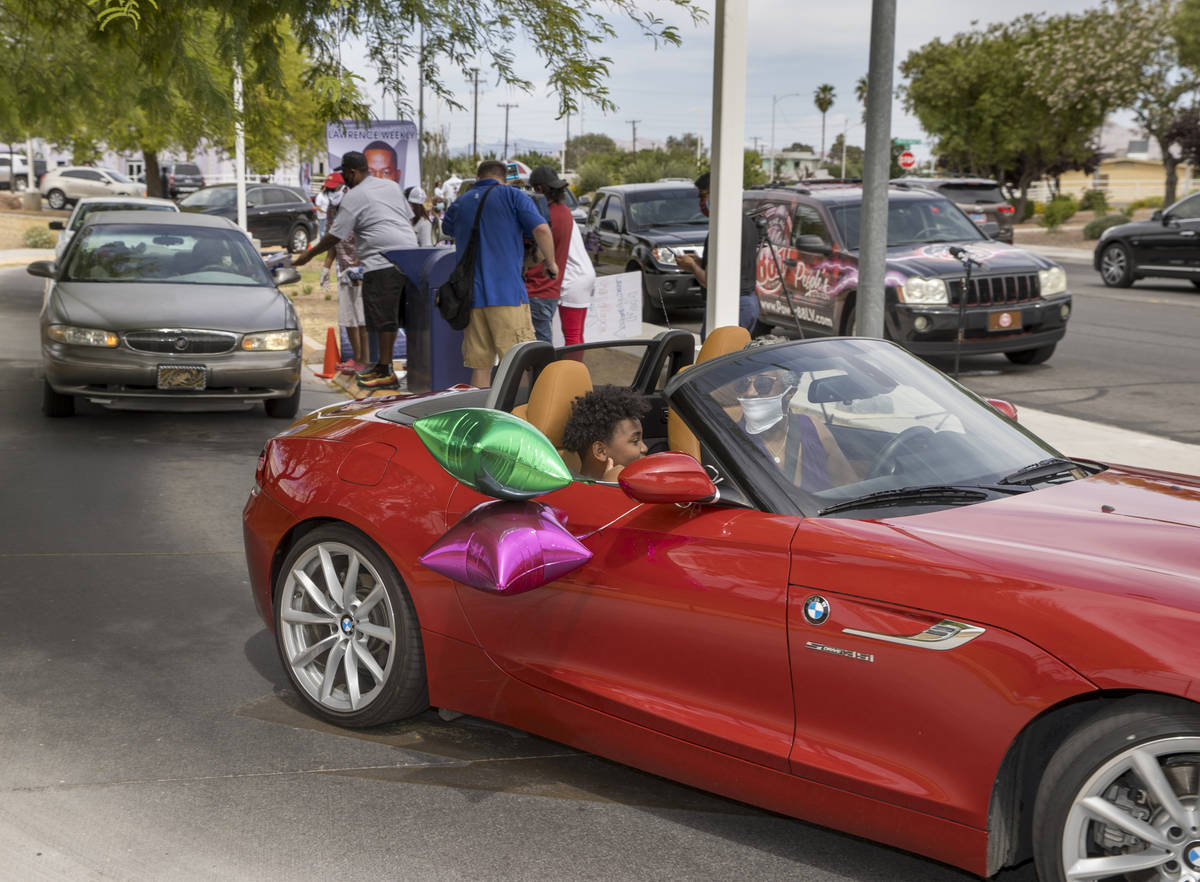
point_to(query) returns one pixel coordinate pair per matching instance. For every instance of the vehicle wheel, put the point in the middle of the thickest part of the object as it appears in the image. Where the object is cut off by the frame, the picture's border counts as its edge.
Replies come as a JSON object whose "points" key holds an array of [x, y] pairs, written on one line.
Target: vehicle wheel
{"points": [[1118, 799], [1031, 356], [347, 630], [1115, 266], [22, 182], [284, 408], [298, 239], [57, 199], [653, 310], [850, 323], [55, 404]]}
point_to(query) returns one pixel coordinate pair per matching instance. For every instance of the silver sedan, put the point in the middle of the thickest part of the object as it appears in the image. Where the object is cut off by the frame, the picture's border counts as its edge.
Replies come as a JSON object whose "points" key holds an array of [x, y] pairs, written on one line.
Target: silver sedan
{"points": [[160, 310]]}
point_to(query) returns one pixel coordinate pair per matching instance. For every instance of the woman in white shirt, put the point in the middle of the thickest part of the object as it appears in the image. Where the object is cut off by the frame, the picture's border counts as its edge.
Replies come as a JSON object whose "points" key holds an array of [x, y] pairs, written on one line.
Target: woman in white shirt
{"points": [[422, 225]]}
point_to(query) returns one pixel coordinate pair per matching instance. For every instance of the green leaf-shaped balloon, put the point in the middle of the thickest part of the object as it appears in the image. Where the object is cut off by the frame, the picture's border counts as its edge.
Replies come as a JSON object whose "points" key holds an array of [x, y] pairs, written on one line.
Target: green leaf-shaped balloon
{"points": [[493, 452]]}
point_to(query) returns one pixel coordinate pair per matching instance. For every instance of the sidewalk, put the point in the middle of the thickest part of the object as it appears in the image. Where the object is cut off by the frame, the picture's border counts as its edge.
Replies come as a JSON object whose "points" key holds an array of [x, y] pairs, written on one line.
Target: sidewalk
{"points": [[23, 256]]}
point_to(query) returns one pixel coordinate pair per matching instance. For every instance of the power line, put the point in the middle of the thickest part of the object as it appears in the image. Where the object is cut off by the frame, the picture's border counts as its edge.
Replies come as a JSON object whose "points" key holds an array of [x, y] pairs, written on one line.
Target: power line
{"points": [[507, 108]]}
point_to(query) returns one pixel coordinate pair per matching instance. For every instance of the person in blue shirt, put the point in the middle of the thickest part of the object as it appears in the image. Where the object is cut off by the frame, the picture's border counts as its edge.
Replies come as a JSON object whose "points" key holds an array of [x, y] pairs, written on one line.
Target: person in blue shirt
{"points": [[500, 313]]}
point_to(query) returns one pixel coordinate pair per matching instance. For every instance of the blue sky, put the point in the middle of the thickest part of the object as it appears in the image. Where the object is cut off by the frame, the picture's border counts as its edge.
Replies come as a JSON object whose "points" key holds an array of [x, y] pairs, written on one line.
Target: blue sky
{"points": [[793, 48]]}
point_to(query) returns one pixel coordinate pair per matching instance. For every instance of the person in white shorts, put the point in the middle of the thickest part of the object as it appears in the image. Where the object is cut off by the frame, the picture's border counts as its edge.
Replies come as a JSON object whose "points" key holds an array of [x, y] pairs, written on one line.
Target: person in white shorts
{"points": [[350, 302]]}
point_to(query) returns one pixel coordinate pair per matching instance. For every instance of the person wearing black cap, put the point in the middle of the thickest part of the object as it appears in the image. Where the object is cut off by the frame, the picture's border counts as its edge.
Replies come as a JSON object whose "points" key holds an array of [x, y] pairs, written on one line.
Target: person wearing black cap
{"points": [[747, 296], [544, 290], [376, 212]]}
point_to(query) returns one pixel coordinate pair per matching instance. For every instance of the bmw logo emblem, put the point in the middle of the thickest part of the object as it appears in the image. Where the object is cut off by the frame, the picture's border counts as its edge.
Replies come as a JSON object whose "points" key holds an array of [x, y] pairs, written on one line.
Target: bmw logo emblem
{"points": [[1193, 856], [347, 624], [816, 610]]}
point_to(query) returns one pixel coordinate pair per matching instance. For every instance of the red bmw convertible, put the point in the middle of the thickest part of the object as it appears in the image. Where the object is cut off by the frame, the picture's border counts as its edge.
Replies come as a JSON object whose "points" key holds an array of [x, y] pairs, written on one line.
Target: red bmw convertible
{"points": [[867, 598]]}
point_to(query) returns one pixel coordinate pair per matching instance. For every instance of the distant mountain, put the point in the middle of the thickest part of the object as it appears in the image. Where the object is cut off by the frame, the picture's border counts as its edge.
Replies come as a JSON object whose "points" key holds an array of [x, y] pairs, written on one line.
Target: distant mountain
{"points": [[515, 145]]}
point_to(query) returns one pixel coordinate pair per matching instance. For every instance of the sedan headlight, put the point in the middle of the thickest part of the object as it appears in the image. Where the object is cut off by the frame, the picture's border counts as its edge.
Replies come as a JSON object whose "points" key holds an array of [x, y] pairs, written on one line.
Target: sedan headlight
{"points": [[663, 255], [924, 291], [1053, 281], [271, 341], [82, 336]]}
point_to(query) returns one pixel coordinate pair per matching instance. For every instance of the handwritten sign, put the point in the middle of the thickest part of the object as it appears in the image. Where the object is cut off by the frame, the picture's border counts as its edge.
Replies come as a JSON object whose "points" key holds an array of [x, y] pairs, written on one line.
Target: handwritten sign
{"points": [[614, 312]]}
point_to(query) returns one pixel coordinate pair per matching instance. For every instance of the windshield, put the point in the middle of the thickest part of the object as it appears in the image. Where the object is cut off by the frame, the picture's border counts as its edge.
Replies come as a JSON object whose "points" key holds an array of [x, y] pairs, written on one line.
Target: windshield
{"points": [[155, 254], [210, 197], [911, 222], [835, 420], [184, 168], [570, 199], [89, 208], [658, 208], [980, 194], [117, 176]]}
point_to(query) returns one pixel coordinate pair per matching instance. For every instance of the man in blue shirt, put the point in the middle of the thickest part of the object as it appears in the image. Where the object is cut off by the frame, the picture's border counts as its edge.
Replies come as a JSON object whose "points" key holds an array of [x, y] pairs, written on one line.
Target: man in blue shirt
{"points": [[500, 314]]}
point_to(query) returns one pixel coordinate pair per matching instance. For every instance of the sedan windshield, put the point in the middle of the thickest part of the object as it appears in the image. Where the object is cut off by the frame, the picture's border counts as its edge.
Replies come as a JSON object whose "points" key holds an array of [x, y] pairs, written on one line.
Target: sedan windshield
{"points": [[210, 197], [856, 426], [89, 208], [911, 222], [179, 255], [652, 209]]}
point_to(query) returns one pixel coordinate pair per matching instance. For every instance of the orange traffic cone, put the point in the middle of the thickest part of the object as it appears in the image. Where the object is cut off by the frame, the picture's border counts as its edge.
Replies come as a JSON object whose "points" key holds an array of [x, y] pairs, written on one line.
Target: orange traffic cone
{"points": [[331, 355]]}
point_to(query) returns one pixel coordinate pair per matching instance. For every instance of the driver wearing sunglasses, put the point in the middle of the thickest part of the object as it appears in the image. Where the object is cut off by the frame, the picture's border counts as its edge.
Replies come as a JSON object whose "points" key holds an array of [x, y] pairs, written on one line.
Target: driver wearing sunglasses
{"points": [[803, 450]]}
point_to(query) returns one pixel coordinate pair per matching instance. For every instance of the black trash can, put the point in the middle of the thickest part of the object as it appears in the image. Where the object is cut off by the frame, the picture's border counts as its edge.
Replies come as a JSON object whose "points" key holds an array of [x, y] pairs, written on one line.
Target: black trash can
{"points": [[434, 348]]}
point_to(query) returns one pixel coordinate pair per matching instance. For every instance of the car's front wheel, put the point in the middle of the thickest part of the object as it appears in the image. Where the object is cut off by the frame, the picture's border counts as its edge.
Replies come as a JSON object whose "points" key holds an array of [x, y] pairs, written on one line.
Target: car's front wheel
{"points": [[347, 630], [57, 199], [284, 408], [298, 239], [1116, 267], [1031, 356], [1120, 798]]}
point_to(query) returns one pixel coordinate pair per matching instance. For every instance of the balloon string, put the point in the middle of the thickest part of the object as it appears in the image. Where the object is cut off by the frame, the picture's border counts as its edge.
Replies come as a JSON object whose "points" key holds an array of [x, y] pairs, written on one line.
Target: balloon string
{"points": [[609, 524]]}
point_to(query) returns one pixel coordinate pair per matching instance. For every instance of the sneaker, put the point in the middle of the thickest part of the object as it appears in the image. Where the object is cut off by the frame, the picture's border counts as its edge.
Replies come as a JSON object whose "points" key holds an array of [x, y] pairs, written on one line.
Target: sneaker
{"points": [[350, 366], [380, 381], [368, 373]]}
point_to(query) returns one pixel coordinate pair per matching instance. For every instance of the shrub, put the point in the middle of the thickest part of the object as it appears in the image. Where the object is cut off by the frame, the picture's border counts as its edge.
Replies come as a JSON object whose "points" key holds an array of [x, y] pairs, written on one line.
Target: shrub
{"points": [[1146, 202], [1095, 227], [38, 237], [1031, 210], [307, 289], [593, 174], [1058, 211], [1093, 200]]}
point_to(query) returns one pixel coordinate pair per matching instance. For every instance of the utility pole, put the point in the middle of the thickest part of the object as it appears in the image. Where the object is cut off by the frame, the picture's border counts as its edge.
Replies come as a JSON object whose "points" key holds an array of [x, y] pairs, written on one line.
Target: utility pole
{"points": [[775, 99], [475, 128], [756, 139], [421, 101], [566, 144], [507, 108], [634, 122]]}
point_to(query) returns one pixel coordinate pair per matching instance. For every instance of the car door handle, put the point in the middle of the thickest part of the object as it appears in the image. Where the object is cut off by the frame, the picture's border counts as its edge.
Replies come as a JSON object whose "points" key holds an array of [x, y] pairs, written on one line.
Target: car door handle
{"points": [[1187, 232], [946, 634]]}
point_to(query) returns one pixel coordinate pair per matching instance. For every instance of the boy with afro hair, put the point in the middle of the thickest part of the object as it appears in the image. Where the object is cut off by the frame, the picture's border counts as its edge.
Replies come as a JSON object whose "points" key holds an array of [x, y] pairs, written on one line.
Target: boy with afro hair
{"points": [[605, 429]]}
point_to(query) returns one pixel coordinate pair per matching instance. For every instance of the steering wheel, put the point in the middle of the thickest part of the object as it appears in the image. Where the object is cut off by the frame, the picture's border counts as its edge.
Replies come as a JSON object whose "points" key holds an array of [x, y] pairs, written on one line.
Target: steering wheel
{"points": [[884, 463]]}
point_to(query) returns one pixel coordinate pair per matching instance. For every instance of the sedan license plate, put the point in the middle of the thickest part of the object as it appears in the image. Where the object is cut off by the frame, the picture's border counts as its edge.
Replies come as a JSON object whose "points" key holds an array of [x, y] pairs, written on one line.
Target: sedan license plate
{"points": [[1004, 321], [978, 218], [182, 377]]}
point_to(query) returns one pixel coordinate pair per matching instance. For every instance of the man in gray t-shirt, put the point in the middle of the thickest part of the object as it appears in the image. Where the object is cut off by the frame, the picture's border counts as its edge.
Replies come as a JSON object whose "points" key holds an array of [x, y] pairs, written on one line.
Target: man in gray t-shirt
{"points": [[378, 215]]}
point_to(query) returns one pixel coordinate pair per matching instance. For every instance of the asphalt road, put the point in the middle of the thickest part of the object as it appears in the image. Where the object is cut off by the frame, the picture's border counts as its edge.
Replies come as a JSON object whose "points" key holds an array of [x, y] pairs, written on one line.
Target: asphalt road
{"points": [[147, 728], [1131, 358]]}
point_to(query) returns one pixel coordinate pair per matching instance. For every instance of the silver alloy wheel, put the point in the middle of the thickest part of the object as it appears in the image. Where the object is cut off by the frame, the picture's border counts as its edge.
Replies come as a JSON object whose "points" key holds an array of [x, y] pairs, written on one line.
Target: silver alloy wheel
{"points": [[1139, 813], [338, 627], [299, 240], [57, 199], [1113, 264]]}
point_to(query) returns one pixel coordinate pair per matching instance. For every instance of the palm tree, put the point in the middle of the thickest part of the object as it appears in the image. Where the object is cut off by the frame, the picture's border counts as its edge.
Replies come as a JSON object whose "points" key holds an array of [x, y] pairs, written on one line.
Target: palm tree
{"points": [[860, 92], [823, 98]]}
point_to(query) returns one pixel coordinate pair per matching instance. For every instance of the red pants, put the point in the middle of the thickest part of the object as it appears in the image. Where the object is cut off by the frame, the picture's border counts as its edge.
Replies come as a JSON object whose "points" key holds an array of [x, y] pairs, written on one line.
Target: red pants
{"points": [[572, 318]]}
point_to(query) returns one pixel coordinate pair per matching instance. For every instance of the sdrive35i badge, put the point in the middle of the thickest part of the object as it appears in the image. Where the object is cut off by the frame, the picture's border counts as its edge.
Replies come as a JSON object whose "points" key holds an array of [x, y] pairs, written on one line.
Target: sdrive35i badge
{"points": [[816, 610]]}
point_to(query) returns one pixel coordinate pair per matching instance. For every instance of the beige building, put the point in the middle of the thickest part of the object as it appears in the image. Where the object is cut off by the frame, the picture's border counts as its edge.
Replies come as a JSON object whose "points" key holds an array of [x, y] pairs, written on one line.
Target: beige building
{"points": [[1127, 178]]}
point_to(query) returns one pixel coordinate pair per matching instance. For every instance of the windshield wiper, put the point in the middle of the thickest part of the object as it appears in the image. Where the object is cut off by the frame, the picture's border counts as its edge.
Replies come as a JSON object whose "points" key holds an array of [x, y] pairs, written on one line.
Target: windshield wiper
{"points": [[1040, 471], [932, 494]]}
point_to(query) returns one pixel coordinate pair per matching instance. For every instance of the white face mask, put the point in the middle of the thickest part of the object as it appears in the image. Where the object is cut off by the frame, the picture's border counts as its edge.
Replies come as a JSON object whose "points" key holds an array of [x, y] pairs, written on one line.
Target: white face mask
{"points": [[762, 413], [336, 196]]}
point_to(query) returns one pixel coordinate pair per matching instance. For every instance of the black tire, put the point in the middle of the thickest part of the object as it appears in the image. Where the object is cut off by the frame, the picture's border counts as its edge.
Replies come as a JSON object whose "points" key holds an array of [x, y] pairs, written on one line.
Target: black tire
{"points": [[57, 199], [22, 182], [298, 239], [850, 322], [396, 670], [1116, 266], [55, 404], [653, 311], [1102, 762], [1031, 356], [284, 408]]}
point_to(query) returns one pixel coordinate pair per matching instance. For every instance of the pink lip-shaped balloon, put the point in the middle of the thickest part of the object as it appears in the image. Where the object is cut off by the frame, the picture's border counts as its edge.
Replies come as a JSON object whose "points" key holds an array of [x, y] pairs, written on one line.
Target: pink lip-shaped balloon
{"points": [[507, 548]]}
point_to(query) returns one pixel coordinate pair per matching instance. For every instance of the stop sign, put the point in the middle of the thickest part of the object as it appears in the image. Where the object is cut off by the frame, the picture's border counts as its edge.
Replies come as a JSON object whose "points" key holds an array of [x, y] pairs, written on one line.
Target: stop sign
{"points": [[906, 159]]}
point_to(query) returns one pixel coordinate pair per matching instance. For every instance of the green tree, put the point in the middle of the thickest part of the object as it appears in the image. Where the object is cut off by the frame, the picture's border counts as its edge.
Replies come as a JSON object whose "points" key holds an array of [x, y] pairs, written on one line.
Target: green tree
{"points": [[798, 147], [823, 99], [752, 170], [854, 159], [686, 143], [860, 92], [582, 146]]}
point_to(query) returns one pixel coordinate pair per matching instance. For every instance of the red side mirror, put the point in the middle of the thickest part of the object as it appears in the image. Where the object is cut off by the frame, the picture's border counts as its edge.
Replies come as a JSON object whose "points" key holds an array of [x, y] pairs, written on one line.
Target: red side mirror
{"points": [[667, 477], [1005, 407]]}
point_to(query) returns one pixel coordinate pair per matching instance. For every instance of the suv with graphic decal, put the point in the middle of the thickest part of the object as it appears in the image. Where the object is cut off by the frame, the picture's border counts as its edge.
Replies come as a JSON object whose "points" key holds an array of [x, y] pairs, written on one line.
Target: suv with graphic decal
{"points": [[1017, 303]]}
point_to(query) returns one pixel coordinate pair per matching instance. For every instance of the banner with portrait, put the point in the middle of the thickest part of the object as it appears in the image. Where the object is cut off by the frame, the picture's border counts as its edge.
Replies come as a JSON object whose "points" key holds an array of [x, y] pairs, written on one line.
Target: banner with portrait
{"points": [[390, 147]]}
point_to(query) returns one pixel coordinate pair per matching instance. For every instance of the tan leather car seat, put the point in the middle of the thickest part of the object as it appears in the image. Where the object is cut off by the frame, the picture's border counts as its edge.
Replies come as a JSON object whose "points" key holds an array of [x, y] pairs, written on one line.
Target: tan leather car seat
{"points": [[721, 341], [550, 400]]}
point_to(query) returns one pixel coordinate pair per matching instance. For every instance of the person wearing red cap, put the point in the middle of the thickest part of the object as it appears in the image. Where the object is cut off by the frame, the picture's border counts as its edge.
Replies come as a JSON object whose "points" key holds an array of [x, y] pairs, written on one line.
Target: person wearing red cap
{"points": [[544, 290]]}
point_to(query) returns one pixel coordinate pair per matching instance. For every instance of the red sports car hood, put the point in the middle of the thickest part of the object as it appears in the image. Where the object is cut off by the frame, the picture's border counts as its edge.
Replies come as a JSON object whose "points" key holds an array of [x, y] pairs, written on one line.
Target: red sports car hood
{"points": [[1122, 518]]}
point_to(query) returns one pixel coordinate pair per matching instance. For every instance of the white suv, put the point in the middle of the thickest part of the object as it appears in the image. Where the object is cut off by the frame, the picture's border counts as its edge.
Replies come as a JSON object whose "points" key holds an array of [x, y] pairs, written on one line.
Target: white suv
{"points": [[62, 186]]}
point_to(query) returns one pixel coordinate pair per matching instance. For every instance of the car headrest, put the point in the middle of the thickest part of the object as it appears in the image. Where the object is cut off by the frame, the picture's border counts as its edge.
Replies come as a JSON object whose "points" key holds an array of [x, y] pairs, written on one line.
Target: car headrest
{"points": [[723, 341], [679, 437], [550, 400]]}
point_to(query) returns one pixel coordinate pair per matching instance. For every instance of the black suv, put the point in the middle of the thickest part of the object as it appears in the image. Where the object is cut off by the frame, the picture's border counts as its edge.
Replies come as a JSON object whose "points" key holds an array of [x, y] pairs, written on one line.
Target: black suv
{"points": [[1017, 302], [275, 214], [980, 198], [640, 228], [180, 179], [1167, 245]]}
